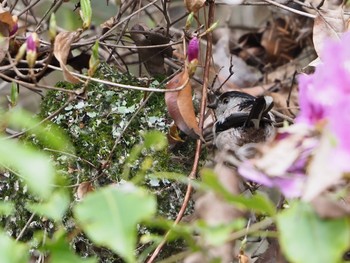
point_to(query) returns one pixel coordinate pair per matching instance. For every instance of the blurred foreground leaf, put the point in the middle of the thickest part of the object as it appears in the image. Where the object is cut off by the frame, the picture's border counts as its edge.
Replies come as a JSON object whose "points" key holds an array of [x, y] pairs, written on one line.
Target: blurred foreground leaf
{"points": [[32, 166], [304, 237], [110, 216], [60, 251], [12, 251], [54, 208]]}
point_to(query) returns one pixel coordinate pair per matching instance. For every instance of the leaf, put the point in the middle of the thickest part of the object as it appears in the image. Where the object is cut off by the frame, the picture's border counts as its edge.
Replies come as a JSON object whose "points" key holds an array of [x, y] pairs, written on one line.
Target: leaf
{"points": [[4, 40], [217, 235], [85, 13], [6, 208], [49, 135], [120, 209], [12, 251], [180, 105], [54, 208], [34, 167], [14, 94], [328, 24], [94, 59], [83, 189], [60, 251], [304, 237], [155, 140], [194, 5], [256, 202], [152, 58], [63, 42]]}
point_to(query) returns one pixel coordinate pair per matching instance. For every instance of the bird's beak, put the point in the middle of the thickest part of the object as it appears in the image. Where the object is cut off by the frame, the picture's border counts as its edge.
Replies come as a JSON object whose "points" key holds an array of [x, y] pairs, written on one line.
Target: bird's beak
{"points": [[213, 101]]}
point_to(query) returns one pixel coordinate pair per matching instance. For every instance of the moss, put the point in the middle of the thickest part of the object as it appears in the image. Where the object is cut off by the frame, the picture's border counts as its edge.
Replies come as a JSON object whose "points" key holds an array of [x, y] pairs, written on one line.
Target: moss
{"points": [[94, 122]]}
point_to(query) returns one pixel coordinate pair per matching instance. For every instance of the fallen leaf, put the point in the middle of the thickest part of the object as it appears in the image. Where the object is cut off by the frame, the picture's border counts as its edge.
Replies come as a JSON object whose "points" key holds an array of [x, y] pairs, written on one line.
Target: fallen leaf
{"points": [[6, 17], [152, 58], [328, 208], [180, 105], [63, 42], [83, 189], [194, 5], [327, 24], [4, 40]]}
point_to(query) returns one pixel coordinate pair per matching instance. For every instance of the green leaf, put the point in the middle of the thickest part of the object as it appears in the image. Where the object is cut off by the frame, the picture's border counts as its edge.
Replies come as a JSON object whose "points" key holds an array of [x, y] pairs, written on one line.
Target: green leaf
{"points": [[110, 216], [54, 208], [257, 202], [6, 208], [60, 251], [155, 140], [49, 134], [14, 94], [12, 251], [32, 166], [304, 237], [86, 13], [217, 235], [52, 27], [94, 60]]}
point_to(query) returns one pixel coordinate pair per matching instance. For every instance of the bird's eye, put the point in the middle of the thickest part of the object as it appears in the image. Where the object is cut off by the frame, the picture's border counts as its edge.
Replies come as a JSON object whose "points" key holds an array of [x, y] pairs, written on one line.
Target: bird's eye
{"points": [[225, 100]]}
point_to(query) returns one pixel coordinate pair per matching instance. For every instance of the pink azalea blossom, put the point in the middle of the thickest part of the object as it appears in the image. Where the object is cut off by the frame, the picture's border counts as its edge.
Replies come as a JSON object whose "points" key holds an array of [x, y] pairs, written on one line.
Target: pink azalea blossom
{"points": [[325, 95]]}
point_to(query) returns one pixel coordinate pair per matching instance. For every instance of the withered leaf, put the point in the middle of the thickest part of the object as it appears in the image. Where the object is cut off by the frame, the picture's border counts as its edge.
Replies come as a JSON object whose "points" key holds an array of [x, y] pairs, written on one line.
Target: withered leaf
{"points": [[4, 40], [6, 17], [152, 58], [62, 44], [328, 24], [194, 5], [83, 189], [328, 208], [180, 105]]}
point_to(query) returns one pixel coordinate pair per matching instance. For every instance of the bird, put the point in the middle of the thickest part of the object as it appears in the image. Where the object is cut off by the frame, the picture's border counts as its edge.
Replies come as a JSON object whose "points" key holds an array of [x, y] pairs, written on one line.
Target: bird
{"points": [[241, 119]]}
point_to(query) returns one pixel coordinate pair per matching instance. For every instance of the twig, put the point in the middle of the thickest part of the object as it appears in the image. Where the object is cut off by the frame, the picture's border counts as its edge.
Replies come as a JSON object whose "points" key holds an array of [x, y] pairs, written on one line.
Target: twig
{"points": [[291, 9], [192, 175], [25, 227]]}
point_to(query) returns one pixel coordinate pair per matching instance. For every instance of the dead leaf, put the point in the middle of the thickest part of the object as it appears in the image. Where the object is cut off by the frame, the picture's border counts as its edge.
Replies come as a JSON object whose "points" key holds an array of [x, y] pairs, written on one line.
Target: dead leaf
{"points": [[83, 189], [194, 5], [180, 105], [63, 42], [4, 40], [328, 208], [152, 58], [280, 40], [328, 24], [6, 17]]}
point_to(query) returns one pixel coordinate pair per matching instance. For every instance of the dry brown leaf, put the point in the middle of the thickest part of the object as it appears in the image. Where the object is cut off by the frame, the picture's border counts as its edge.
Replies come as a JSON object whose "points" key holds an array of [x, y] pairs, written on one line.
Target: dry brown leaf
{"points": [[328, 208], [194, 5], [180, 105], [62, 44], [4, 40], [83, 189], [152, 58], [328, 24], [6, 17]]}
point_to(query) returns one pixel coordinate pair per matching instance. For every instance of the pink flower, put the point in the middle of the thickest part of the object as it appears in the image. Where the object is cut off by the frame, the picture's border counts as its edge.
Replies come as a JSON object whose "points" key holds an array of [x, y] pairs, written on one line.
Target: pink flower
{"points": [[32, 43], [193, 49], [325, 95]]}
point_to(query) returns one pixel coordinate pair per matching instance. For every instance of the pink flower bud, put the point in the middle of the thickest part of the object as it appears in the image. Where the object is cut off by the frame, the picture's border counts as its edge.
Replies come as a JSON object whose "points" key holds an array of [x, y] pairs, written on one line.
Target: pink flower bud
{"points": [[193, 49], [31, 47]]}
